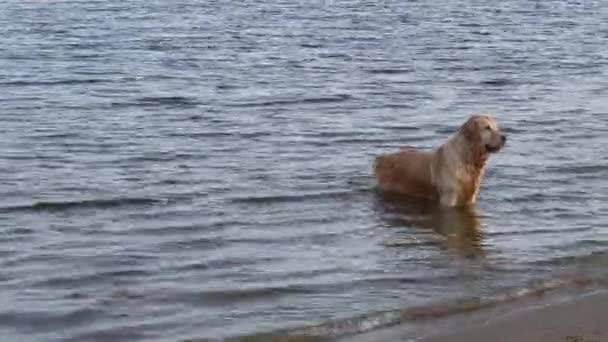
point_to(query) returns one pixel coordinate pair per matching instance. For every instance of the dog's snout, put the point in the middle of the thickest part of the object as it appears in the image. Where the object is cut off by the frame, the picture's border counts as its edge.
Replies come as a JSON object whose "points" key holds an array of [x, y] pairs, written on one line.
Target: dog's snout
{"points": [[503, 139]]}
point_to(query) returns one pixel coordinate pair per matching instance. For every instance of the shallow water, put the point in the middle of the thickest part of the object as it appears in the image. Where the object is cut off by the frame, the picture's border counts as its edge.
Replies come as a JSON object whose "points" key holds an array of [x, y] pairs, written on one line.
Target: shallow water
{"points": [[174, 169]]}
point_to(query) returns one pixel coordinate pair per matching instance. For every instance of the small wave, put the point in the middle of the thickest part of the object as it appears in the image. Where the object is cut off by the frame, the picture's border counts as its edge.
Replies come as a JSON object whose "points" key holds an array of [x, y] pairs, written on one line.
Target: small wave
{"points": [[201, 243], [481, 33], [470, 24], [54, 319], [532, 197], [365, 141], [223, 297], [335, 55], [410, 243], [81, 204], [399, 105], [51, 83], [316, 239], [498, 82], [219, 134], [167, 100], [291, 198], [593, 258], [513, 130], [586, 243], [125, 332], [58, 135], [446, 130], [389, 71], [160, 228], [80, 280], [541, 197], [147, 101], [333, 134], [19, 231], [225, 86], [579, 169], [400, 128], [311, 45], [311, 100], [539, 231], [545, 122], [224, 263]]}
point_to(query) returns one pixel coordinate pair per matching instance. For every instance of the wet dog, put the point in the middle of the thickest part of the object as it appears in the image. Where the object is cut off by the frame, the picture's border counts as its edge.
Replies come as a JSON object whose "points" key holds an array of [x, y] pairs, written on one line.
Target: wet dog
{"points": [[450, 174]]}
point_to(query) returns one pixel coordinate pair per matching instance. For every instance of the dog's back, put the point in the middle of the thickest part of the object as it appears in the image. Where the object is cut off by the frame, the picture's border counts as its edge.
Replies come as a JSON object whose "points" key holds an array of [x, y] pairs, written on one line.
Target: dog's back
{"points": [[406, 172]]}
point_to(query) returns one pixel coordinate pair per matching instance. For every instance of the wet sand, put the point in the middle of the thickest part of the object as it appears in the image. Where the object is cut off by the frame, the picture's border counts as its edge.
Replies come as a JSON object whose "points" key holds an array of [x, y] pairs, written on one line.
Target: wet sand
{"points": [[544, 319], [578, 320]]}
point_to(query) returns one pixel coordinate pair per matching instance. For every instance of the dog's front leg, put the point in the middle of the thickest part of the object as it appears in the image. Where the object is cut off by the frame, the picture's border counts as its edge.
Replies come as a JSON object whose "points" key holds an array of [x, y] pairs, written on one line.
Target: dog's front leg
{"points": [[448, 198]]}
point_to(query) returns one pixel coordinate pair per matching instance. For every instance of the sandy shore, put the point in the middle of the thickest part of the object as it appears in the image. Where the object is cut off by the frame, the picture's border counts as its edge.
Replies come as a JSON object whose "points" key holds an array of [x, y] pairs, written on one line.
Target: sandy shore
{"points": [[579, 320], [556, 319]]}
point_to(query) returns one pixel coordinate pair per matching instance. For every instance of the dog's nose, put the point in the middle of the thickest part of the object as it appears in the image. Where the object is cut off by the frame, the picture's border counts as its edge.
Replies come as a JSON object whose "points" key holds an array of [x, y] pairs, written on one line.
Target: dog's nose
{"points": [[503, 138]]}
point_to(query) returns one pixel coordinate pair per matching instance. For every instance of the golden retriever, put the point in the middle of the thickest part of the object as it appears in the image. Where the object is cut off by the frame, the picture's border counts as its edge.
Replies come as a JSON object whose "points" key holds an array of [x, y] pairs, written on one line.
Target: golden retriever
{"points": [[451, 174]]}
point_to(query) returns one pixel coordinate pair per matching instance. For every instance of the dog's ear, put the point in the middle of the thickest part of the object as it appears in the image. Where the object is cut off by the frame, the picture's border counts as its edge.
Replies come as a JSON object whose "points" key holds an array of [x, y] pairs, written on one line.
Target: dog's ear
{"points": [[470, 130]]}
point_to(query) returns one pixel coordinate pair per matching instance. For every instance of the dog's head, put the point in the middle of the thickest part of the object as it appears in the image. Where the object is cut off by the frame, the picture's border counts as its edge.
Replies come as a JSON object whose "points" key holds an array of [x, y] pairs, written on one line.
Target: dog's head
{"points": [[483, 131]]}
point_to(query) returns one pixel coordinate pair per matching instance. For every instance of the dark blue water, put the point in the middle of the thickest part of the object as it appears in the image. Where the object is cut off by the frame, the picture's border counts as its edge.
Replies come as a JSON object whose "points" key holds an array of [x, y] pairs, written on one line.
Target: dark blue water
{"points": [[201, 169]]}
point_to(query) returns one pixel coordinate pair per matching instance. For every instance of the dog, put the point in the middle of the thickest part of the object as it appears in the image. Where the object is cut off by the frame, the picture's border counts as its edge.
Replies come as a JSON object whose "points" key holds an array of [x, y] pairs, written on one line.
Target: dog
{"points": [[451, 174]]}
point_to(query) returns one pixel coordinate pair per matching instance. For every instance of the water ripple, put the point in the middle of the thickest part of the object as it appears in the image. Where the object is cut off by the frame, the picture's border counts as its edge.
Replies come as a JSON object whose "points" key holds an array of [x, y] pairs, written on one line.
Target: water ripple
{"points": [[82, 204], [176, 170]]}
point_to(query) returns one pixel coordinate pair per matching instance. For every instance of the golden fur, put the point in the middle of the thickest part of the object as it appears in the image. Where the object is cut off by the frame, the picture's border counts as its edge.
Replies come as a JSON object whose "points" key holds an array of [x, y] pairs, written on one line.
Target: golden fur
{"points": [[452, 173]]}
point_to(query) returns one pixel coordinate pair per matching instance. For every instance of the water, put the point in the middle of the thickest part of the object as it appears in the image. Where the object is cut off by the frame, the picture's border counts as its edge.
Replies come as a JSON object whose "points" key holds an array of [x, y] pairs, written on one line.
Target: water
{"points": [[186, 169]]}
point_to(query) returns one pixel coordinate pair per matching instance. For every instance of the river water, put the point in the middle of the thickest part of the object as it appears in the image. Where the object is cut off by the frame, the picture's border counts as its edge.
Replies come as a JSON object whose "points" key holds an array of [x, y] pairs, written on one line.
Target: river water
{"points": [[201, 169]]}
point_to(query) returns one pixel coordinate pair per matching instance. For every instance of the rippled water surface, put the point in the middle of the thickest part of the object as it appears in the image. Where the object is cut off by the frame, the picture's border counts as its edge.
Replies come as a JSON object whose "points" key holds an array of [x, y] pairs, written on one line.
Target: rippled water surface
{"points": [[201, 169]]}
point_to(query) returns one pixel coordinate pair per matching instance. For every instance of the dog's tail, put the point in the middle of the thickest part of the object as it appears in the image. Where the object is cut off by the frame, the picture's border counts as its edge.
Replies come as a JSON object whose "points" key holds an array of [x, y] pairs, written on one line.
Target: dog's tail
{"points": [[378, 161]]}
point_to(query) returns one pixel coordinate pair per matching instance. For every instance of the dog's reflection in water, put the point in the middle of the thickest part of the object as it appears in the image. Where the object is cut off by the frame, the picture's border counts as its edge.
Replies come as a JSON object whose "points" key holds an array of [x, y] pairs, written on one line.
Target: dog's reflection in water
{"points": [[457, 229]]}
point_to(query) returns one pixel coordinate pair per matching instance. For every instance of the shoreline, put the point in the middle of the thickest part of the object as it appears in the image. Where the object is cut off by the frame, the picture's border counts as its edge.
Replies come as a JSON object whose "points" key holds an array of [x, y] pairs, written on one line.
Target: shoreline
{"points": [[499, 318], [552, 318], [579, 319]]}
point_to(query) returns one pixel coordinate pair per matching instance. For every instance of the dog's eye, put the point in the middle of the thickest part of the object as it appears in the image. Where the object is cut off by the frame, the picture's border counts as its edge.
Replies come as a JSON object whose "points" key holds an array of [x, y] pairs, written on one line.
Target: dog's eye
{"points": [[488, 128]]}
